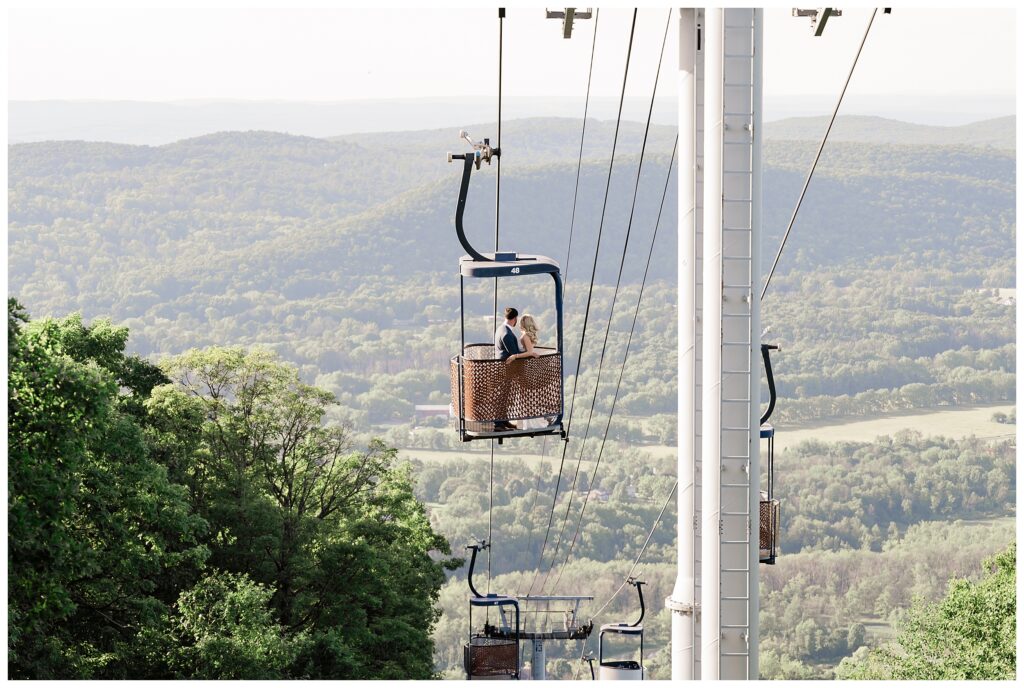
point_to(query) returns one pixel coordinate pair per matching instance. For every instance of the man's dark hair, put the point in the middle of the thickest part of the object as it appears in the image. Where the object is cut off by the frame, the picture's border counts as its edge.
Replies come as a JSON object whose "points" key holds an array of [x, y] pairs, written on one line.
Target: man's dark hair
{"points": [[510, 313]]}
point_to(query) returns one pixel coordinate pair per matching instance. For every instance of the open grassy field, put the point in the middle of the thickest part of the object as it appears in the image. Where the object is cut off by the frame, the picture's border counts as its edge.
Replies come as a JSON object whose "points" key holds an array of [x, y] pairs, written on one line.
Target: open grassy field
{"points": [[949, 422], [506, 453], [659, 449]]}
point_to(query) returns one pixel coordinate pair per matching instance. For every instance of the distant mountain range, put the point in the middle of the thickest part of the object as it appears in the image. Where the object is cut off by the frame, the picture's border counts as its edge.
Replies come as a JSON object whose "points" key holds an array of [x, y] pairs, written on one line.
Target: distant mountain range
{"points": [[997, 133], [155, 123]]}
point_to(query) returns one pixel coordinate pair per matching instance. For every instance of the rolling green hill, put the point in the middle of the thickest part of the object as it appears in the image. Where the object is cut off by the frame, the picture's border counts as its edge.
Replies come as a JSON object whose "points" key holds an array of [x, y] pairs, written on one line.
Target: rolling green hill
{"points": [[296, 215], [328, 250]]}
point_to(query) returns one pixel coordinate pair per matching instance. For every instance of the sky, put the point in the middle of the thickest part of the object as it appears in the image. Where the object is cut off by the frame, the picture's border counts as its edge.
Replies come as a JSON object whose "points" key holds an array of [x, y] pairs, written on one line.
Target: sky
{"points": [[340, 54]]}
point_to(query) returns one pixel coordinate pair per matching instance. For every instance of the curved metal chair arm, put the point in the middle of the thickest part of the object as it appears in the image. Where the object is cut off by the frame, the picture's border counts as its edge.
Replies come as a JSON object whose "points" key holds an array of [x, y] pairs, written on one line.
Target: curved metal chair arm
{"points": [[639, 591], [765, 348]]}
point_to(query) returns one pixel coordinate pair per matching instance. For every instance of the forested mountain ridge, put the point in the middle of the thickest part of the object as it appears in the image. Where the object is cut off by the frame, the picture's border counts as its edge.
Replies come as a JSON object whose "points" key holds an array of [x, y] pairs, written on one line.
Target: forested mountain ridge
{"points": [[558, 137], [288, 214], [327, 250]]}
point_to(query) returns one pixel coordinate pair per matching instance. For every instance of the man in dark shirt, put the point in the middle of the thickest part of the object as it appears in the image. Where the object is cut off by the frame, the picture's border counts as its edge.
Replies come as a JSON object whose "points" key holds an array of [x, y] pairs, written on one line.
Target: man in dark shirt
{"points": [[506, 344]]}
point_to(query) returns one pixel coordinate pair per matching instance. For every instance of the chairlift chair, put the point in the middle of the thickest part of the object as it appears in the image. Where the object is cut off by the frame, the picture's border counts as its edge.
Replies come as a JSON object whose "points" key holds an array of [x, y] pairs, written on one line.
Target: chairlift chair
{"points": [[623, 669], [769, 506], [488, 395], [486, 657]]}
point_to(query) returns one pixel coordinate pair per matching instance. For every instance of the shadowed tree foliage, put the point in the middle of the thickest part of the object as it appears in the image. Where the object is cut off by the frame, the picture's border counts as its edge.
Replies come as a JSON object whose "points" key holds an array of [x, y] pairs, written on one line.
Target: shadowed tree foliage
{"points": [[126, 482], [336, 534], [98, 538], [226, 630]]}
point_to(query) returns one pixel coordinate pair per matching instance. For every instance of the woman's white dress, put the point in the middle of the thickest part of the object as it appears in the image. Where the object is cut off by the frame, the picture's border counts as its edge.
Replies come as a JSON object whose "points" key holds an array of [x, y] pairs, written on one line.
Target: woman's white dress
{"points": [[530, 423]]}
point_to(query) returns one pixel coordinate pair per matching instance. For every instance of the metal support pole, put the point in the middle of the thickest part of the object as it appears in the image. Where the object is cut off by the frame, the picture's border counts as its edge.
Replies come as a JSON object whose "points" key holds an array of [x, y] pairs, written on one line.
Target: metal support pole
{"points": [[682, 600], [755, 343], [711, 364], [537, 662]]}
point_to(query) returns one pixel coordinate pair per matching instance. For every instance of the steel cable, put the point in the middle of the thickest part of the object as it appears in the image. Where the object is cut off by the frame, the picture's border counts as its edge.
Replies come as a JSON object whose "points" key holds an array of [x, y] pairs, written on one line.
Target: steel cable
{"points": [[590, 294]]}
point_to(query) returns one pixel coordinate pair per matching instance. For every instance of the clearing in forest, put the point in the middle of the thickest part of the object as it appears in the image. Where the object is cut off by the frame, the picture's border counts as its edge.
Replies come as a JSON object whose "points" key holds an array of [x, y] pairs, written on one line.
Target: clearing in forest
{"points": [[948, 422]]}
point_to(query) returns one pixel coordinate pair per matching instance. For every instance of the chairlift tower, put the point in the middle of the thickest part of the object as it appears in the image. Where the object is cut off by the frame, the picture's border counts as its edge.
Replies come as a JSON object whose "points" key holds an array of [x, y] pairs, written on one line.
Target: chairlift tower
{"points": [[714, 602]]}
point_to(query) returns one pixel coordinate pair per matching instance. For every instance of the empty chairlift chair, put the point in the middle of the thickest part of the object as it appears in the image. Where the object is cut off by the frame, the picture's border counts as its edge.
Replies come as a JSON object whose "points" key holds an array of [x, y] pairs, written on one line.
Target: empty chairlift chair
{"points": [[491, 653], [769, 509], [490, 398], [623, 669]]}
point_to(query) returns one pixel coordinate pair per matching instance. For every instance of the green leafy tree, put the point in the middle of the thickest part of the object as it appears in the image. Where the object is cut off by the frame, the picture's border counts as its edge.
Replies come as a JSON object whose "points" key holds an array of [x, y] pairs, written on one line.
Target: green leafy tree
{"points": [[970, 634], [123, 486], [337, 534], [855, 636], [98, 538], [775, 666], [226, 630]]}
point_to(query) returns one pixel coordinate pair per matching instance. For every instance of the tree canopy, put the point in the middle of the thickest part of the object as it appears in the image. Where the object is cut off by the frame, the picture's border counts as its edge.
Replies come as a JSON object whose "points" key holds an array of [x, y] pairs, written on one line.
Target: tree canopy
{"points": [[201, 520]]}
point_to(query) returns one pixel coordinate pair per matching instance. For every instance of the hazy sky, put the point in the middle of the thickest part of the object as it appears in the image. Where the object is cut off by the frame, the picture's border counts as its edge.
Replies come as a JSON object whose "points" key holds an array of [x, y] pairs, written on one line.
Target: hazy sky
{"points": [[323, 54]]}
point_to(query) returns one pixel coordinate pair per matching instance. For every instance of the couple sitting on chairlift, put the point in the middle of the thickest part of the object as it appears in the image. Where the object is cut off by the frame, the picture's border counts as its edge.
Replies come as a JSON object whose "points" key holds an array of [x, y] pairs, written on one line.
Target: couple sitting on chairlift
{"points": [[510, 345]]}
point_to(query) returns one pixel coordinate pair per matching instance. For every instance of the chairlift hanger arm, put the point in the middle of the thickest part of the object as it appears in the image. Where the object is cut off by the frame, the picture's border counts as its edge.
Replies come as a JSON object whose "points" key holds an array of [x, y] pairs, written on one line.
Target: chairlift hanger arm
{"points": [[638, 584], [589, 657], [765, 348], [482, 152], [460, 209], [472, 564]]}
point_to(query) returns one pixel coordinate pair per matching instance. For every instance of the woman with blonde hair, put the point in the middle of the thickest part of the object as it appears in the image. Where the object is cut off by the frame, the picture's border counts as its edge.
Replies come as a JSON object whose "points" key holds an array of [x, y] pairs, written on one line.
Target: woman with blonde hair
{"points": [[527, 341]]}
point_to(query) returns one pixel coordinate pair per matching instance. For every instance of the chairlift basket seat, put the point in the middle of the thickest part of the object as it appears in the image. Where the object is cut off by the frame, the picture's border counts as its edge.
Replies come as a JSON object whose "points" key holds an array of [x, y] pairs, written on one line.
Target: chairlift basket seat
{"points": [[489, 390], [768, 511], [491, 658], [769, 536]]}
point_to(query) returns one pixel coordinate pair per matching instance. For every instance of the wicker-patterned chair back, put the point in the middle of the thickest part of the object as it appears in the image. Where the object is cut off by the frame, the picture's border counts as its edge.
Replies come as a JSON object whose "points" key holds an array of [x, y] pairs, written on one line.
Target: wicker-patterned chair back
{"points": [[769, 536], [499, 391], [490, 657]]}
